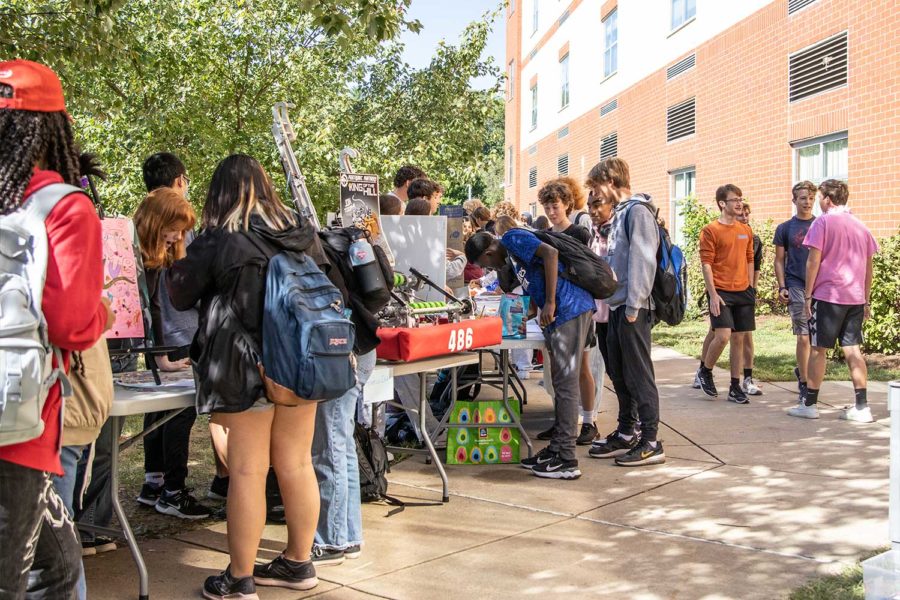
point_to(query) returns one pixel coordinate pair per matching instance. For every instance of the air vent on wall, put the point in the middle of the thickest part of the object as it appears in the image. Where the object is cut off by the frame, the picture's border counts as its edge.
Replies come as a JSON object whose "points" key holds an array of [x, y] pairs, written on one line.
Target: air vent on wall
{"points": [[681, 66], [819, 68], [532, 54], [532, 177], [609, 146], [532, 150], [562, 19], [562, 164], [609, 107], [795, 5], [562, 133], [680, 120]]}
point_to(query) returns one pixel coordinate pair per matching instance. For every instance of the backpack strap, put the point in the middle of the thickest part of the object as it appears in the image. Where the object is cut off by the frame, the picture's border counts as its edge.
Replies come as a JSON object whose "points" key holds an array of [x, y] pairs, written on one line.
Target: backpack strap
{"points": [[42, 202]]}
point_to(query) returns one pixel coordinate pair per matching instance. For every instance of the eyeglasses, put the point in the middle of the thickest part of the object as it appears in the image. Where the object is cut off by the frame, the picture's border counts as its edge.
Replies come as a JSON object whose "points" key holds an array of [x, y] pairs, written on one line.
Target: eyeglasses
{"points": [[187, 180], [735, 200]]}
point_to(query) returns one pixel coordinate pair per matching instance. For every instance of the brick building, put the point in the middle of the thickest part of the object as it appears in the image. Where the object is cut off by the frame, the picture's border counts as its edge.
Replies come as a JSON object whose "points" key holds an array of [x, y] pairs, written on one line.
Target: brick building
{"points": [[698, 93]]}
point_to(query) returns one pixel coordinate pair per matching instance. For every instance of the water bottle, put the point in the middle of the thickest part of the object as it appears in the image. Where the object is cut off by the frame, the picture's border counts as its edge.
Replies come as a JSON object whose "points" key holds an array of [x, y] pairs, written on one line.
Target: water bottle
{"points": [[368, 272]]}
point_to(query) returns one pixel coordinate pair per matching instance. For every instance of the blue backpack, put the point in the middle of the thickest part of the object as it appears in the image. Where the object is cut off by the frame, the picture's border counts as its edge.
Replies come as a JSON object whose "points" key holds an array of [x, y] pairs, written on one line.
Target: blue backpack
{"points": [[669, 291], [307, 339]]}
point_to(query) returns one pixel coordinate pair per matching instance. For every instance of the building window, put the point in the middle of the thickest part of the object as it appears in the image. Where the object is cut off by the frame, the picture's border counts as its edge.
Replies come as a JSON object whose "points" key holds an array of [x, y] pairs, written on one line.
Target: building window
{"points": [[682, 12], [533, 207], [682, 187], [564, 81], [532, 177], [611, 43], [534, 16], [511, 80], [512, 6], [534, 98], [820, 159], [509, 167]]}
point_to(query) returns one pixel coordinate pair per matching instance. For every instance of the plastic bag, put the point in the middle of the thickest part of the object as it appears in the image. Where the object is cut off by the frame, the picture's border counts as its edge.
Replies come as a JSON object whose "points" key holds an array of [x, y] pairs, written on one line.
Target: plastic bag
{"points": [[514, 312]]}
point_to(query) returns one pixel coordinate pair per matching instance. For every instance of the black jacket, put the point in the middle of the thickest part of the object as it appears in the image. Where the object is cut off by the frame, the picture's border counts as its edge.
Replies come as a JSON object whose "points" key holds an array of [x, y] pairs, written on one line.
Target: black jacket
{"points": [[226, 273]]}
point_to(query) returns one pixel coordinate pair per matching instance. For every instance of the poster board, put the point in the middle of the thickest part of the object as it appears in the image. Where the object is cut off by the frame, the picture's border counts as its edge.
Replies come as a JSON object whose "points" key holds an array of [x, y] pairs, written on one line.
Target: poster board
{"points": [[360, 208], [421, 243], [455, 215], [122, 271]]}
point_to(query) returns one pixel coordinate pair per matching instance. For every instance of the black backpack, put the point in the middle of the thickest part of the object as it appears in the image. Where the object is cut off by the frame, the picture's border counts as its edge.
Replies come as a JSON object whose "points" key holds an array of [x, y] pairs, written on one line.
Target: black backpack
{"points": [[581, 266], [373, 464]]}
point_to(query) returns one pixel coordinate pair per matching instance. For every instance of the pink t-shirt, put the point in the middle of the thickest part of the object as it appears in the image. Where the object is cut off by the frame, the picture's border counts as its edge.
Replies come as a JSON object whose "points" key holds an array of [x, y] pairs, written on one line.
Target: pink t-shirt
{"points": [[846, 245]]}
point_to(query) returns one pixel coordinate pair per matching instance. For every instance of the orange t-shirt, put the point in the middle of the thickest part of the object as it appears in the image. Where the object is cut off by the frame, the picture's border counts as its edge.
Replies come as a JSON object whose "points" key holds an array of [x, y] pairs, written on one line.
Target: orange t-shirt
{"points": [[728, 249]]}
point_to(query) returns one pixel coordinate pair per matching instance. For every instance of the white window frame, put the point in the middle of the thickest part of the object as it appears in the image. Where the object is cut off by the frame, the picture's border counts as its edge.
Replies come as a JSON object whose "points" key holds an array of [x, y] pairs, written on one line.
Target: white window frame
{"points": [[612, 19], [684, 18], [509, 166], [535, 17], [564, 81], [796, 147], [534, 106], [675, 201], [511, 80]]}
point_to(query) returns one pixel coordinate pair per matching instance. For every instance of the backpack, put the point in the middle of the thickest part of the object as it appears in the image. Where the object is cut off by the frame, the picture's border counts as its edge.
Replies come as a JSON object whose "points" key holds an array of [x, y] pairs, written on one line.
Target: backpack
{"points": [[581, 266], [669, 291], [578, 217], [26, 355], [307, 340], [468, 387], [373, 464]]}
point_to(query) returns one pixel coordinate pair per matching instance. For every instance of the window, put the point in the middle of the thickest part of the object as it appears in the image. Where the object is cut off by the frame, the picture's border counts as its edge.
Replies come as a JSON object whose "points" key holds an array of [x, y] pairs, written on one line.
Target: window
{"points": [[533, 207], [534, 98], [680, 120], [820, 159], [534, 16], [609, 146], [562, 164], [564, 81], [532, 177], [611, 43], [682, 187], [509, 166], [818, 68], [682, 12], [512, 6], [511, 80]]}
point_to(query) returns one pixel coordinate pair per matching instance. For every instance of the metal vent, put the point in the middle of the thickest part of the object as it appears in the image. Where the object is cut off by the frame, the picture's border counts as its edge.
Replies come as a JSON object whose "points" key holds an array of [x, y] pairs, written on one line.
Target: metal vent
{"points": [[532, 177], [563, 17], [532, 54], [680, 121], [681, 66], [795, 5], [562, 133], [819, 68], [562, 164], [609, 107], [609, 146], [532, 150]]}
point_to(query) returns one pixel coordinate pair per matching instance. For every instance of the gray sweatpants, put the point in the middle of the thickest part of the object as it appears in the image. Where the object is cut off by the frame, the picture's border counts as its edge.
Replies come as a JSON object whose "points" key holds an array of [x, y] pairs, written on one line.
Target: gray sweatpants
{"points": [[565, 346]]}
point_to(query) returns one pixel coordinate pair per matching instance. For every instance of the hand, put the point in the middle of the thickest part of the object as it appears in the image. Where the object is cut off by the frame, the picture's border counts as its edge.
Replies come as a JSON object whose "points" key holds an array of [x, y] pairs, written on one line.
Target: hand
{"points": [[110, 315], [451, 253], [867, 312], [784, 295], [548, 313], [715, 305], [167, 365], [631, 319], [807, 309]]}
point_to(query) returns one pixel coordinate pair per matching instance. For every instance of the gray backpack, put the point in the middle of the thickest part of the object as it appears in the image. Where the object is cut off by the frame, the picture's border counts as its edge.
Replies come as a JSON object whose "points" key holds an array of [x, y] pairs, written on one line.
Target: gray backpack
{"points": [[26, 355]]}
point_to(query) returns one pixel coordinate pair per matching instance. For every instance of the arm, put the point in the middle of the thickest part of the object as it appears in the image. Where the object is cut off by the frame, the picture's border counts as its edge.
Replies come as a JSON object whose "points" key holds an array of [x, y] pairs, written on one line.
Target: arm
{"points": [[867, 312], [641, 260], [550, 256], [812, 271], [780, 256], [754, 274], [456, 263], [188, 279], [715, 303]]}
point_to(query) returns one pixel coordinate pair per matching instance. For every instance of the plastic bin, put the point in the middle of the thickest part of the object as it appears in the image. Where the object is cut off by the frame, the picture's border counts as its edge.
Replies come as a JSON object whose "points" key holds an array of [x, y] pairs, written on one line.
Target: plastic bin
{"points": [[881, 576]]}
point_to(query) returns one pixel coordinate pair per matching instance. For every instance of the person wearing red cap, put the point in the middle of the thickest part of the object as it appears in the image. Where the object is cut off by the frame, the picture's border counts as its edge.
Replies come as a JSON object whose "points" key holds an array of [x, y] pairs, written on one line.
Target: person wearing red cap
{"points": [[39, 553]]}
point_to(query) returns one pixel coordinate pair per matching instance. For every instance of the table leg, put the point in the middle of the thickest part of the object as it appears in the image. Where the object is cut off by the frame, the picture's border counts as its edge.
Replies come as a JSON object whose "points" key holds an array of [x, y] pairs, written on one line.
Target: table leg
{"points": [[427, 438], [505, 373], [144, 585]]}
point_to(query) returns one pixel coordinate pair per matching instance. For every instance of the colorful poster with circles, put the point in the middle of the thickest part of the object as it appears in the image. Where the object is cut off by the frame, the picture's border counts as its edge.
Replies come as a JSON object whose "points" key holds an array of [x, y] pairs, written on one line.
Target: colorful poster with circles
{"points": [[120, 278], [483, 445]]}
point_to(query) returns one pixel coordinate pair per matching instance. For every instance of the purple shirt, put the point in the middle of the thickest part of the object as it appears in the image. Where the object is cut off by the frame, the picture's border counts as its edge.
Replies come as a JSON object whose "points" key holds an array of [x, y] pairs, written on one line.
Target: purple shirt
{"points": [[846, 245]]}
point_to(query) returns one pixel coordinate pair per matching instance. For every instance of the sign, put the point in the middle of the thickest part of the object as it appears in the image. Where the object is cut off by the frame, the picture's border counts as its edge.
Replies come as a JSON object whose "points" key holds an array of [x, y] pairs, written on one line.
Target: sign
{"points": [[359, 207], [120, 278], [455, 215]]}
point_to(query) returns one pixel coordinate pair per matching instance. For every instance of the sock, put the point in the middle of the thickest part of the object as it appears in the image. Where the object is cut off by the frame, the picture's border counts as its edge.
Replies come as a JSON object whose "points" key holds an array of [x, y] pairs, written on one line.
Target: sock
{"points": [[627, 438], [735, 382], [748, 372], [812, 397], [154, 479], [653, 444], [704, 369], [701, 365], [587, 417], [861, 401]]}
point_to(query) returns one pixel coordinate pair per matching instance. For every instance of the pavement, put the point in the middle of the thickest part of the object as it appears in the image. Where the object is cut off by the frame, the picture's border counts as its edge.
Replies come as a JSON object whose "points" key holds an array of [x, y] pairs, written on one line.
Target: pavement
{"points": [[750, 504]]}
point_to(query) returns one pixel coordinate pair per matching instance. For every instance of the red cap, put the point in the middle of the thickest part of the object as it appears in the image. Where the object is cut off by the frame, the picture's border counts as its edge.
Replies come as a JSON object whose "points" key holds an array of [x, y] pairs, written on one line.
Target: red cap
{"points": [[35, 87]]}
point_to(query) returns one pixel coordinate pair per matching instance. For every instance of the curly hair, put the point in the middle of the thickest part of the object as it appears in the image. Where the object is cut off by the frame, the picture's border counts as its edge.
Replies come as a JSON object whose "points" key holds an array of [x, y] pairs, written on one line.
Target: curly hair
{"points": [[556, 191], [579, 198], [508, 209], [28, 138]]}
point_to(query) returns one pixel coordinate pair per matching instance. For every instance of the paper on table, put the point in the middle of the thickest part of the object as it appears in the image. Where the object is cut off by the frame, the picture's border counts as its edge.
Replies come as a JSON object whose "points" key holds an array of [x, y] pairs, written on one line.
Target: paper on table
{"points": [[532, 327], [179, 384]]}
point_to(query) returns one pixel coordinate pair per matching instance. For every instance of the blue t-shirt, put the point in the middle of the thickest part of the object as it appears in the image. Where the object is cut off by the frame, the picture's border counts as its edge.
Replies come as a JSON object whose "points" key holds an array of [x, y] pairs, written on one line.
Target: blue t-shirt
{"points": [[790, 235], [571, 300]]}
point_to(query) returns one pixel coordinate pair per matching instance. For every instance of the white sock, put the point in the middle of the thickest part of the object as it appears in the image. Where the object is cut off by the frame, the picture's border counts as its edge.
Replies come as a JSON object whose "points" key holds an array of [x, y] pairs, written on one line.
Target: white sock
{"points": [[154, 479], [627, 438], [652, 444], [587, 417]]}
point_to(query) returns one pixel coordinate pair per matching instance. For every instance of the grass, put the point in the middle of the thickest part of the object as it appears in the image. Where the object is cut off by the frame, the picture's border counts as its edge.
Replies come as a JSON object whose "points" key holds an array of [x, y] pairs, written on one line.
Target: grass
{"points": [[774, 347], [846, 585]]}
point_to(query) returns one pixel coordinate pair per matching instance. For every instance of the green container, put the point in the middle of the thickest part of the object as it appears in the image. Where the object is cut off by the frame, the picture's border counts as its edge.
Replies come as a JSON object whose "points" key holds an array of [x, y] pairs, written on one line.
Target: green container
{"points": [[483, 445]]}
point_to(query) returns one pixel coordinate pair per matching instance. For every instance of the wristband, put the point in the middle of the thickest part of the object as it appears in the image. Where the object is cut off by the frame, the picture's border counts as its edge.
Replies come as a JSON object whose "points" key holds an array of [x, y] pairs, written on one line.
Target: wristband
{"points": [[782, 289]]}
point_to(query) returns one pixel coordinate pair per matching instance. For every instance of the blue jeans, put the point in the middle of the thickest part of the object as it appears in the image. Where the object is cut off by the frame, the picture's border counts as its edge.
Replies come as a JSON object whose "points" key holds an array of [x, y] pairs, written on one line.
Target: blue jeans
{"points": [[65, 487], [336, 465]]}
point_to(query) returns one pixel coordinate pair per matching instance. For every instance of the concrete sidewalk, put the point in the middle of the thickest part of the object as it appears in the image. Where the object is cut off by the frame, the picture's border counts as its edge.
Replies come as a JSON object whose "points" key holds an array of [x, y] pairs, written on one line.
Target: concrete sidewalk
{"points": [[750, 504]]}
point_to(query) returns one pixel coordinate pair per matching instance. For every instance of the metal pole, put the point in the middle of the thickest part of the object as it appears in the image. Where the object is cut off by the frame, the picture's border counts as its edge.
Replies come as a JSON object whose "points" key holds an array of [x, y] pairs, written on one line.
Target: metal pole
{"points": [[894, 408]]}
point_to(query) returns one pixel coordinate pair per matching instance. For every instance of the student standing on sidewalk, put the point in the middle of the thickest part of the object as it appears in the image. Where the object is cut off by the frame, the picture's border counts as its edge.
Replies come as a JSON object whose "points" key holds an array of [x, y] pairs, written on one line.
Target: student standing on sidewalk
{"points": [[632, 255], [747, 384], [790, 271], [838, 285]]}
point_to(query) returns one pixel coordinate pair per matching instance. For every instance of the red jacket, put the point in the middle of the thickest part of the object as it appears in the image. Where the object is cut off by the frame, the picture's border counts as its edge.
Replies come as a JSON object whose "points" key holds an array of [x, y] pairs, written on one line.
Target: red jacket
{"points": [[71, 305]]}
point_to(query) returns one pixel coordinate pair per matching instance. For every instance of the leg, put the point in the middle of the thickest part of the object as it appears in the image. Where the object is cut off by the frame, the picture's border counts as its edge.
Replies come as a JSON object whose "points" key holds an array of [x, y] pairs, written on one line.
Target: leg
{"points": [[721, 337], [67, 488], [154, 448], [364, 367], [586, 383], [567, 343], [249, 435], [857, 365], [816, 367], [710, 335], [749, 351], [176, 437], [800, 328], [802, 351], [615, 370], [638, 370], [56, 570], [96, 506], [22, 503], [219, 437], [736, 354]]}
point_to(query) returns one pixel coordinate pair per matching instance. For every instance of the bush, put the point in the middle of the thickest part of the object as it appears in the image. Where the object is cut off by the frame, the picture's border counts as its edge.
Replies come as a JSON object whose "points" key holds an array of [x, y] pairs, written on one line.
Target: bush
{"points": [[882, 330]]}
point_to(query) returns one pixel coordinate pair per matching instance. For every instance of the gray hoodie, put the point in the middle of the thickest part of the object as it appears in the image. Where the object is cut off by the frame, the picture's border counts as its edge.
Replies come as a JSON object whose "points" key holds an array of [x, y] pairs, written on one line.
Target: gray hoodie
{"points": [[632, 254]]}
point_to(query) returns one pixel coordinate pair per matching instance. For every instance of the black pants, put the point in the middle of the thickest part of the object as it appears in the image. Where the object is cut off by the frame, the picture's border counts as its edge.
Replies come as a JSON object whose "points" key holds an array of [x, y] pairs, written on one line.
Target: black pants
{"points": [[631, 370], [40, 557], [166, 449]]}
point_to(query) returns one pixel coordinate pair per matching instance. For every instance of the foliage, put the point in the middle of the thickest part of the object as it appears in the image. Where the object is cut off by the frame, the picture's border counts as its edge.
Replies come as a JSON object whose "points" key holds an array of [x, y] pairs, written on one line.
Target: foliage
{"points": [[199, 78], [882, 331]]}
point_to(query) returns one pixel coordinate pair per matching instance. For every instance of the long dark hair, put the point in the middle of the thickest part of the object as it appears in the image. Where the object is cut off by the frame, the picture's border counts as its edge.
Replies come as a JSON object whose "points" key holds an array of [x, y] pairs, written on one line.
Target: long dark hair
{"points": [[240, 187], [28, 138]]}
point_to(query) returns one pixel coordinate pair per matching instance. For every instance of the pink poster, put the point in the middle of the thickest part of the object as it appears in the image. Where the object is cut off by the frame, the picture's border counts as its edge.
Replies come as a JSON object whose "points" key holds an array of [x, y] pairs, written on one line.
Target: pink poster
{"points": [[120, 283]]}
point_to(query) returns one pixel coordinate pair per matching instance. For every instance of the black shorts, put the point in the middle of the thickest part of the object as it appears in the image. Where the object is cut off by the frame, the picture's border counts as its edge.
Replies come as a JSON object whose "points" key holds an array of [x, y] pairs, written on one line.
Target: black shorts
{"points": [[830, 323], [739, 312]]}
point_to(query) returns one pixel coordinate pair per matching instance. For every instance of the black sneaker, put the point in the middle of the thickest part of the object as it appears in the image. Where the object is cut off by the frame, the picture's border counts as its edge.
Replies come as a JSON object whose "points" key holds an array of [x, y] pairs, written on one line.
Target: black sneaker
{"points": [[181, 504], [225, 587], [353, 552], [275, 514], [707, 384], [326, 556], [546, 435], [218, 489], [538, 459], [587, 435], [612, 445], [149, 494], [737, 395], [98, 545], [285, 573], [557, 468], [643, 454]]}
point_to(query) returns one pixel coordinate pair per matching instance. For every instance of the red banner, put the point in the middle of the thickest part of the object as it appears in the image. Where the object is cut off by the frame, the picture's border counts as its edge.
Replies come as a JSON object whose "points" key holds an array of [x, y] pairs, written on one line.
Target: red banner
{"points": [[407, 344]]}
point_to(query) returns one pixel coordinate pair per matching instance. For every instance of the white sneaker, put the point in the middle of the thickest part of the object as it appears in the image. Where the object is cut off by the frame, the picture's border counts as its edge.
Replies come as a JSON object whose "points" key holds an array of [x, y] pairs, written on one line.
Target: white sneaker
{"points": [[803, 411], [851, 413], [523, 375], [750, 388], [696, 384]]}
